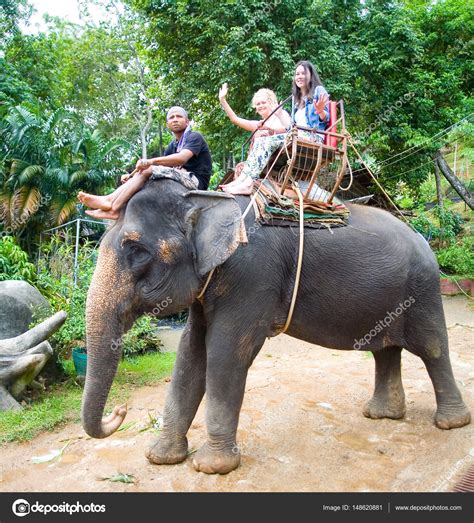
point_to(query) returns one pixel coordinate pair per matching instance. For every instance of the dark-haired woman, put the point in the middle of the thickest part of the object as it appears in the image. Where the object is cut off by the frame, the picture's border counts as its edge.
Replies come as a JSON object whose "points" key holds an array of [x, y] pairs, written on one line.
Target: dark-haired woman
{"points": [[310, 100]]}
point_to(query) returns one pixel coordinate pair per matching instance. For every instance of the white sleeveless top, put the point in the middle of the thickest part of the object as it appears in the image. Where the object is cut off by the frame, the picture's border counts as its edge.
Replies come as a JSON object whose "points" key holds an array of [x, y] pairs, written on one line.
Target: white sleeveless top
{"points": [[300, 118]]}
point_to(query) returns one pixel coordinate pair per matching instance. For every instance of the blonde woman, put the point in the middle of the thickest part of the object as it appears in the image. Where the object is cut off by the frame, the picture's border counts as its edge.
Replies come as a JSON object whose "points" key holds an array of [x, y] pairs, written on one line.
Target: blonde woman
{"points": [[267, 137]]}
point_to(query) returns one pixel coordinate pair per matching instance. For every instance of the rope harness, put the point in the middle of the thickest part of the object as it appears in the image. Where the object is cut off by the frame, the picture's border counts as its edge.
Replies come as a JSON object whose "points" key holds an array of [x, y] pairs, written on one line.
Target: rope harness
{"points": [[298, 266], [300, 260]]}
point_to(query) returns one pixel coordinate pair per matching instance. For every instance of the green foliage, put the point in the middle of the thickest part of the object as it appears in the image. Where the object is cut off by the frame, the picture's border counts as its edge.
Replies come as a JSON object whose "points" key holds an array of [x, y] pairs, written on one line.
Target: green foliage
{"points": [[56, 267], [62, 402], [141, 338], [450, 222], [48, 158], [440, 224], [425, 226], [405, 198], [14, 264], [458, 258], [216, 177]]}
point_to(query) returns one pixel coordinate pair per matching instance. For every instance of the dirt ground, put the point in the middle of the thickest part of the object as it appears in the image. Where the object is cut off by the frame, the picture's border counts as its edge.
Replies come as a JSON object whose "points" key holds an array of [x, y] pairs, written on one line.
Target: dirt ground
{"points": [[301, 429]]}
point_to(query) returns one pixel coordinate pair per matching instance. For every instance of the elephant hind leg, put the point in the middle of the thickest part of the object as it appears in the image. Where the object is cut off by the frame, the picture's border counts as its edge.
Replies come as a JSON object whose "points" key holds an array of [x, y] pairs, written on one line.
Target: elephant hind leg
{"points": [[451, 410], [388, 400]]}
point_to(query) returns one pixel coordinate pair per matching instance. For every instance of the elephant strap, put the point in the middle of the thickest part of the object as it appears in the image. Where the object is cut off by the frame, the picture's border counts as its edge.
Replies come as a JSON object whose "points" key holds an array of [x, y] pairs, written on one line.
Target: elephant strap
{"points": [[300, 261]]}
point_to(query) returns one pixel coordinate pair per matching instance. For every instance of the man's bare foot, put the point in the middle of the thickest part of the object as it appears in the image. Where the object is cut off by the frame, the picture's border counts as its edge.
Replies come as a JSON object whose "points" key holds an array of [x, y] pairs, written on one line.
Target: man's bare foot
{"points": [[104, 215], [95, 202]]}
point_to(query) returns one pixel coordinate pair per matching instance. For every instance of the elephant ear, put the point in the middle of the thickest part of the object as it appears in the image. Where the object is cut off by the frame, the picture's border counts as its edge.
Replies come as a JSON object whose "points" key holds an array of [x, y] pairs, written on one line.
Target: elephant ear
{"points": [[216, 226]]}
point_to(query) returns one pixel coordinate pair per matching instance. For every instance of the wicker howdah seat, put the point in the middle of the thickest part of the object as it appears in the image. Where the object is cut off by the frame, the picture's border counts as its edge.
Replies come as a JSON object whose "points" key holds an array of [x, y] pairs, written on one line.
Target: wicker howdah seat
{"points": [[302, 176], [317, 167]]}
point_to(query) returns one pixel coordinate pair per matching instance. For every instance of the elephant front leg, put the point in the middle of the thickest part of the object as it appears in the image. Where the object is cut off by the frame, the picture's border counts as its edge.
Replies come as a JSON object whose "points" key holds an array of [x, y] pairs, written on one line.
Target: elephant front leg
{"points": [[224, 394], [388, 400], [188, 384], [228, 361]]}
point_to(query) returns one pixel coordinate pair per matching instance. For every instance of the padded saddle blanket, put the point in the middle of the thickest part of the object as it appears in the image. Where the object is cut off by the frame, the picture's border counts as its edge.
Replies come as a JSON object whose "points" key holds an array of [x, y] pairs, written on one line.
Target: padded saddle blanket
{"points": [[283, 211]]}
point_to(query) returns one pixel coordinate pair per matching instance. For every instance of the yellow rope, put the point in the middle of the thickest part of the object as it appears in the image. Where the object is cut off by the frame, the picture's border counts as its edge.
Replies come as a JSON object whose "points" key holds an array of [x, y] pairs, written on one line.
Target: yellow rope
{"points": [[300, 259], [201, 294]]}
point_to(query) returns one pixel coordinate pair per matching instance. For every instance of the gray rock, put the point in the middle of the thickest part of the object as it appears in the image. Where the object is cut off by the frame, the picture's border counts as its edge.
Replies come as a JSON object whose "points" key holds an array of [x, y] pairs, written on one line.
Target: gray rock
{"points": [[18, 302]]}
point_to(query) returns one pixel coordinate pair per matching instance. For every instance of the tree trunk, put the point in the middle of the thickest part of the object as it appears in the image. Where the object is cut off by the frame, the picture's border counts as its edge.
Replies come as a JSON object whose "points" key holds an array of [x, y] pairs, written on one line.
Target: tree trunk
{"points": [[160, 133], [439, 193], [454, 180]]}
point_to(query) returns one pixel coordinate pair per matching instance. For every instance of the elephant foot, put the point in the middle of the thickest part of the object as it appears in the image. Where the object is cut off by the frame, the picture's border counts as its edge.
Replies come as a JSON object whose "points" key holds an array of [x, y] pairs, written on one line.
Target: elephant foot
{"points": [[452, 417], [168, 451], [212, 461], [377, 409]]}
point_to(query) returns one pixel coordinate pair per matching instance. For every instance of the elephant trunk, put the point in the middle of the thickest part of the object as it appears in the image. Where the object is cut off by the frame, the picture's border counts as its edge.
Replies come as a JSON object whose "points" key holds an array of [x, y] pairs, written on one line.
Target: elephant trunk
{"points": [[101, 370], [104, 334]]}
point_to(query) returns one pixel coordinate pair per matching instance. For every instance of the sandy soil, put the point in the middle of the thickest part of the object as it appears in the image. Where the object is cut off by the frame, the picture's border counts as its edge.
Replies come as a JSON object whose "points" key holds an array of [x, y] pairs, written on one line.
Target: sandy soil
{"points": [[301, 429]]}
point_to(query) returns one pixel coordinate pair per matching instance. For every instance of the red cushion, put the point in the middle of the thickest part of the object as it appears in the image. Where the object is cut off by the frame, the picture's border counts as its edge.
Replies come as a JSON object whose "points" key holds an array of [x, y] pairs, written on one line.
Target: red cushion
{"points": [[332, 140]]}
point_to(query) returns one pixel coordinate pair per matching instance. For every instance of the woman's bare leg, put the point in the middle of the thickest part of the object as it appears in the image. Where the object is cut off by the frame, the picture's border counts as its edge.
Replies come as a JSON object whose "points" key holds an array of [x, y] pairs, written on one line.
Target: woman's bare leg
{"points": [[243, 186]]}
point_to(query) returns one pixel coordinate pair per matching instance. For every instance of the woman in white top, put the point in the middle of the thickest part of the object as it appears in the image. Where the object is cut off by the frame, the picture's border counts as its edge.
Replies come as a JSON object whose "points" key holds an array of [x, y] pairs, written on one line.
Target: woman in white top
{"points": [[264, 102]]}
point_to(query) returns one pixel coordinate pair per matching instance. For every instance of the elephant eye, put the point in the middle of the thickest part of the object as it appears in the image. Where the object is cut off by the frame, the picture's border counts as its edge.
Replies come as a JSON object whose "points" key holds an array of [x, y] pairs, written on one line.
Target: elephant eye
{"points": [[137, 255]]}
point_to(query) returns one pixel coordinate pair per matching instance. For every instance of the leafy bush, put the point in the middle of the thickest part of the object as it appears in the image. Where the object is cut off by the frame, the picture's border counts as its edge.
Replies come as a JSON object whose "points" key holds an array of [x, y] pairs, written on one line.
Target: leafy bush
{"points": [[442, 224], [404, 198], [425, 226], [141, 338], [450, 222], [216, 177], [458, 258], [14, 264]]}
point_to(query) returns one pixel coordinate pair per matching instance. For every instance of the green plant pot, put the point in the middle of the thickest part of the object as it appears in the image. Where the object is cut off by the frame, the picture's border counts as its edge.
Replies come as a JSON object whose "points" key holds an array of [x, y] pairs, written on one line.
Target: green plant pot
{"points": [[79, 357]]}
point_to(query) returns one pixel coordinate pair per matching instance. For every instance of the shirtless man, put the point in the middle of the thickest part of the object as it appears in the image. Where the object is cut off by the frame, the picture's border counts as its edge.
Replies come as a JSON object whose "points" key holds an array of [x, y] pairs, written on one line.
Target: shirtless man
{"points": [[188, 150]]}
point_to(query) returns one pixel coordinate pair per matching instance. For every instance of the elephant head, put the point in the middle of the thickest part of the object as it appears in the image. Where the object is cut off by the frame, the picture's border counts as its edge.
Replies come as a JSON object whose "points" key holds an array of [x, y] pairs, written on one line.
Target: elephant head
{"points": [[153, 260]]}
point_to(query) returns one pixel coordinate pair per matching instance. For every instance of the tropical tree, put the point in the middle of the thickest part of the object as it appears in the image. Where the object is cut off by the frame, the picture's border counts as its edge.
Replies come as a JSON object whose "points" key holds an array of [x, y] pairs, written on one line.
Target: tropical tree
{"points": [[47, 158], [402, 67]]}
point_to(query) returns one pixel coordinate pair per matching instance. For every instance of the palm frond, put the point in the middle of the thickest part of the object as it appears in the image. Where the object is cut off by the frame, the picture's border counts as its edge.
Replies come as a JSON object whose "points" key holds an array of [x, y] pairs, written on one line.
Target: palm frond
{"points": [[78, 177], [62, 209], [58, 116], [29, 173], [58, 176], [20, 120], [17, 167], [113, 145], [7, 210], [26, 202]]}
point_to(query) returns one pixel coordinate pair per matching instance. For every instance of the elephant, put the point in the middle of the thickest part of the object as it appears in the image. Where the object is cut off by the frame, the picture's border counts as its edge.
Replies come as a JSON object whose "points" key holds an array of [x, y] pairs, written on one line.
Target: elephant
{"points": [[171, 240]]}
